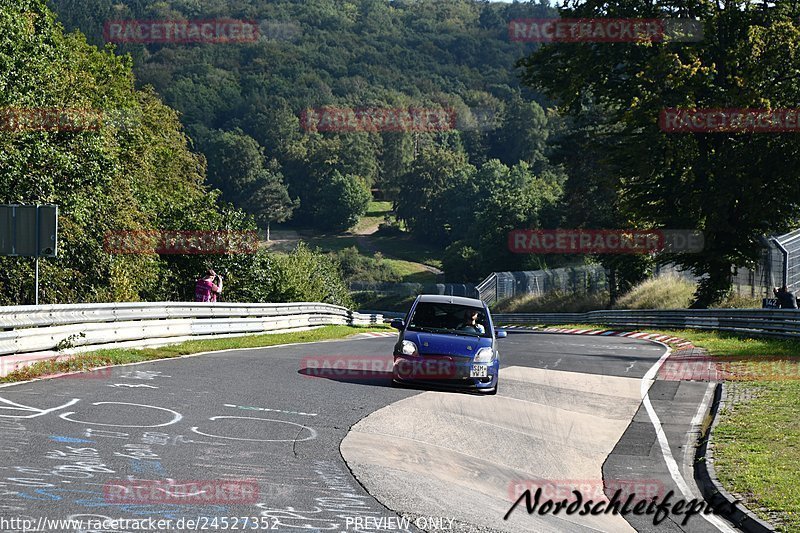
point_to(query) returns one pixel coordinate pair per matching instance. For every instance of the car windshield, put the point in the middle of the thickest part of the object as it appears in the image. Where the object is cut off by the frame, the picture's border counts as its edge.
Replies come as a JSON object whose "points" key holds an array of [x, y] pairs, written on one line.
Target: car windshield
{"points": [[450, 318]]}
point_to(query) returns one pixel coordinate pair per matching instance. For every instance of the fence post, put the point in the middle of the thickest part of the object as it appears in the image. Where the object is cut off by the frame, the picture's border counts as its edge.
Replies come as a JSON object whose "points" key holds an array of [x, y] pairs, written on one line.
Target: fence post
{"points": [[785, 254]]}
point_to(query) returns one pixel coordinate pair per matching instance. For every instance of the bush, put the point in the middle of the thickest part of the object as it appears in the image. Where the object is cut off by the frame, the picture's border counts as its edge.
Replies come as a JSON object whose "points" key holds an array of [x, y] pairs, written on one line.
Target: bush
{"points": [[662, 292], [460, 262], [553, 302], [307, 276], [738, 301], [390, 228]]}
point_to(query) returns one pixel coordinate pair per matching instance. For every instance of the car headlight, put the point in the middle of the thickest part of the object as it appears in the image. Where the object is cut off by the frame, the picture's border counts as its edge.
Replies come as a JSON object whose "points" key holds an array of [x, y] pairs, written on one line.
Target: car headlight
{"points": [[484, 355], [409, 348]]}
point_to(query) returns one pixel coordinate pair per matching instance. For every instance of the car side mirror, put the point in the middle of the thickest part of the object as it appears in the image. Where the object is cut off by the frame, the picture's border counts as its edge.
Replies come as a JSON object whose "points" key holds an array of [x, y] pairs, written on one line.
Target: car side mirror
{"points": [[501, 333], [397, 323]]}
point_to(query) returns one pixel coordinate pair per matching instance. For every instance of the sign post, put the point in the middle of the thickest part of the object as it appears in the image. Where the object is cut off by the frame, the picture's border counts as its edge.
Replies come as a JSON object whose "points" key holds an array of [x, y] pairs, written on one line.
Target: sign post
{"points": [[29, 231]]}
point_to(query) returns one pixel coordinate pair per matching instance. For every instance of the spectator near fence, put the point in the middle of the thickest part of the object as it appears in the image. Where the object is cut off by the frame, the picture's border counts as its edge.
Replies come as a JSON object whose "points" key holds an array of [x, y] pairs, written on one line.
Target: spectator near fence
{"points": [[786, 298]]}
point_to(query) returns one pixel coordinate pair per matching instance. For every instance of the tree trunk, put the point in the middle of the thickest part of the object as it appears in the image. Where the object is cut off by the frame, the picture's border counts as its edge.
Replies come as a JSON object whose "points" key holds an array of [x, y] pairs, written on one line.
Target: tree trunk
{"points": [[267, 231], [715, 287]]}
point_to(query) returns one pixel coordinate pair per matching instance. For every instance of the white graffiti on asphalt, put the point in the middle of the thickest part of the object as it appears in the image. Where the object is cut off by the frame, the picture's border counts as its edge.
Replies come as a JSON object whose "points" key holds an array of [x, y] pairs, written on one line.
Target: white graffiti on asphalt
{"points": [[26, 408], [312, 433], [176, 416]]}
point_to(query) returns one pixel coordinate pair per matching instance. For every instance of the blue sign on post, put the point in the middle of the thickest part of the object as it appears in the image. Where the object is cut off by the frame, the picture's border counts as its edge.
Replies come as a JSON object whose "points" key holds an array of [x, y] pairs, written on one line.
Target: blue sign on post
{"points": [[29, 231]]}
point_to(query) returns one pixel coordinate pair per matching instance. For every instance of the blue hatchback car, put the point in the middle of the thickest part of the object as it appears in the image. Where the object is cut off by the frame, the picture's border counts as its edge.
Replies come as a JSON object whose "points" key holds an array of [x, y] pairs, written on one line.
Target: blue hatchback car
{"points": [[447, 341]]}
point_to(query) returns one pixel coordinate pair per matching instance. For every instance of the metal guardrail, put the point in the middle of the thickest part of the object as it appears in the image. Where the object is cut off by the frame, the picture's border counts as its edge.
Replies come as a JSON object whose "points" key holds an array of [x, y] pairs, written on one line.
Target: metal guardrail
{"points": [[757, 322], [30, 329]]}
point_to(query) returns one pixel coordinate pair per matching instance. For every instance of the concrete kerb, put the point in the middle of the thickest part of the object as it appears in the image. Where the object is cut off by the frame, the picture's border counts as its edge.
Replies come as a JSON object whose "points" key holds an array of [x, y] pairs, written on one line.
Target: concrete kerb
{"points": [[709, 484]]}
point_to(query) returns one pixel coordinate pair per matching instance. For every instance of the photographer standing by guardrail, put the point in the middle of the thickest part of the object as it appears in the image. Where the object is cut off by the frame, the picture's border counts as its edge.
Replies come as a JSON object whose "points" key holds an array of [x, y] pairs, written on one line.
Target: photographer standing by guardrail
{"points": [[786, 298], [205, 289]]}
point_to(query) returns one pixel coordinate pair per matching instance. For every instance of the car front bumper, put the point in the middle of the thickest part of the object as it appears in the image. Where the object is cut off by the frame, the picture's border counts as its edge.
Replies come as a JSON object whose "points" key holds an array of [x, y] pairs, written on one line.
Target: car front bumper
{"points": [[444, 371]]}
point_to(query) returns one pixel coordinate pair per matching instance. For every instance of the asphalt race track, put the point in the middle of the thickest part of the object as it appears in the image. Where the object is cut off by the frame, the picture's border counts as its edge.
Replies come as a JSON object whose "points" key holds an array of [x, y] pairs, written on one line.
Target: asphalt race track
{"points": [[253, 440]]}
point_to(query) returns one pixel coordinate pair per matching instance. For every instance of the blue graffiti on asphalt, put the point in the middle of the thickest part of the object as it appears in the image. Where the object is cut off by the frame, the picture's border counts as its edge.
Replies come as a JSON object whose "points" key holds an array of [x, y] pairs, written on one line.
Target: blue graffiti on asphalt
{"points": [[140, 466], [96, 499], [59, 438]]}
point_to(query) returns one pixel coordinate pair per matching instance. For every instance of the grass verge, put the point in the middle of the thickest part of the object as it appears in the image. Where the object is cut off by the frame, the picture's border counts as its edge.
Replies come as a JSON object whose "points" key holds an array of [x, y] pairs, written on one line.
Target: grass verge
{"points": [[757, 439], [405, 247], [757, 449], [377, 211], [120, 356], [411, 272], [662, 292]]}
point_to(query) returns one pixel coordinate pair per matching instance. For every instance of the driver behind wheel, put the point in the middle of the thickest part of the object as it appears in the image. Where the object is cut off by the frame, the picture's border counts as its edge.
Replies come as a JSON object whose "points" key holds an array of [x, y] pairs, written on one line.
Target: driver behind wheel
{"points": [[471, 323]]}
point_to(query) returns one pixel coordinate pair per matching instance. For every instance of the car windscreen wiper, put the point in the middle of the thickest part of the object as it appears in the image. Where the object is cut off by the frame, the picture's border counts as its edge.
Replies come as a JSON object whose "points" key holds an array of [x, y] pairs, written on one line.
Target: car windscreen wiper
{"points": [[425, 330], [467, 333]]}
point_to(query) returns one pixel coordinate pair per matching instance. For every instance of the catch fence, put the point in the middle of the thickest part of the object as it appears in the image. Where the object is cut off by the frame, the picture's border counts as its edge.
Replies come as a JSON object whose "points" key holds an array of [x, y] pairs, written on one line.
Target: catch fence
{"points": [[502, 285], [778, 264]]}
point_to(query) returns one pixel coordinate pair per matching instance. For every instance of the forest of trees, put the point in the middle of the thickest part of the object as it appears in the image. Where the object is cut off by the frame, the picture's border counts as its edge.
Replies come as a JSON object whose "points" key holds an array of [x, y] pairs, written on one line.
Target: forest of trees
{"points": [[136, 171], [242, 104], [560, 135]]}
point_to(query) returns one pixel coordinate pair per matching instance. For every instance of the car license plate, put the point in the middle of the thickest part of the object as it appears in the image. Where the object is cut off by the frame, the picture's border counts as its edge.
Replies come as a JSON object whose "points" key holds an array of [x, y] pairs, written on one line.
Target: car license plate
{"points": [[479, 371]]}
